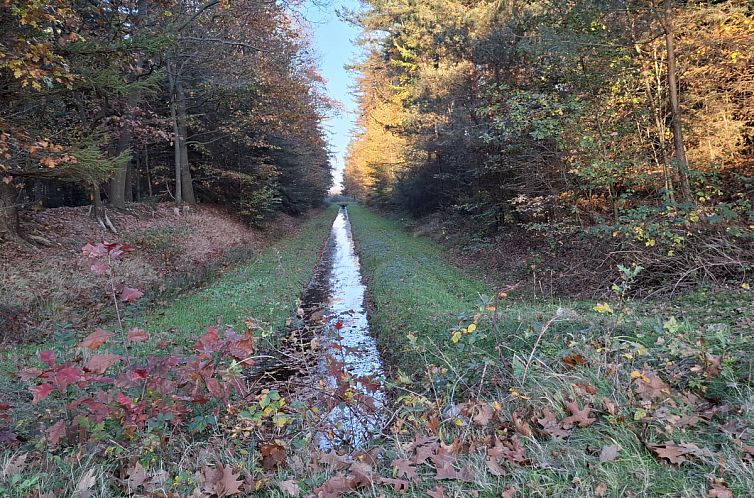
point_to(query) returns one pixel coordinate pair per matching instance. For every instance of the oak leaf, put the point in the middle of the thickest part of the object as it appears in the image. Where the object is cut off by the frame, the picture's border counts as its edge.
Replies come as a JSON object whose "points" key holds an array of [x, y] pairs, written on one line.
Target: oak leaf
{"points": [[578, 416], [289, 487], [405, 468], [438, 492], [609, 453]]}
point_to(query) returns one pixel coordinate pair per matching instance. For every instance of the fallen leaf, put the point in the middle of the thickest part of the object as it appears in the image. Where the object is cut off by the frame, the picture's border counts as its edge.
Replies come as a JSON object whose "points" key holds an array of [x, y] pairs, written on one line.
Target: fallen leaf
{"points": [[600, 490], [40, 392], [96, 339], [483, 414], [273, 455], [101, 362], [405, 469], [509, 493], [609, 453], [84, 485], [14, 465], [399, 485], [47, 357], [551, 425], [55, 432], [129, 294], [493, 467], [138, 335], [221, 481], [574, 360], [135, 476], [289, 488], [719, 489], [650, 386], [438, 492], [578, 416]]}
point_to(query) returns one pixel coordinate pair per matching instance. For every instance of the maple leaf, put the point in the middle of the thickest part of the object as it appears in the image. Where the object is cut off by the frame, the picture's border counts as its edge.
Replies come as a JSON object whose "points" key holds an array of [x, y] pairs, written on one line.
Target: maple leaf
{"points": [[67, 375], [405, 469], [289, 488], [55, 432], [138, 335], [578, 416], [129, 294], [273, 455], [99, 363], [609, 453], [96, 339], [40, 392], [47, 357]]}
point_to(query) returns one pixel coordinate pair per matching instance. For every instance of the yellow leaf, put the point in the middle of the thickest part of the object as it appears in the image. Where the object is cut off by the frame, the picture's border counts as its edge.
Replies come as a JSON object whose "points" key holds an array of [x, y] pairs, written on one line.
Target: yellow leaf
{"points": [[603, 308], [455, 337], [745, 285], [471, 328]]}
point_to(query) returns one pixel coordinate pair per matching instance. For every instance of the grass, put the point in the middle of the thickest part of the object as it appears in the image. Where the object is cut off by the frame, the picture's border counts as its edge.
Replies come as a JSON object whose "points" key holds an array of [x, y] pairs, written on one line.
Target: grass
{"points": [[512, 358], [263, 289]]}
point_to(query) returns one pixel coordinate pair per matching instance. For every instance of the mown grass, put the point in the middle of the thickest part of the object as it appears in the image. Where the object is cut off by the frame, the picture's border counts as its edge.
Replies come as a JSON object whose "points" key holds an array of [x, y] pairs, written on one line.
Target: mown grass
{"points": [[514, 357], [263, 289]]}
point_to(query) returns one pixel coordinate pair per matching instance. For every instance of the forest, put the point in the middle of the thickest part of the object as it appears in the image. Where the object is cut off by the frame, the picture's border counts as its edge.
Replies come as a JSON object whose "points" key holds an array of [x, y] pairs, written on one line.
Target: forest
{"points": [[534, 280], [107, 103], [624, 120]]}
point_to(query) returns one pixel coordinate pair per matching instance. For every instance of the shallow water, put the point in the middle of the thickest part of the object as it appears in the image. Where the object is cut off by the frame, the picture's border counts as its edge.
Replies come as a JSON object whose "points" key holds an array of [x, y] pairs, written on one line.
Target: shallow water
{"points": [[351, 363]]}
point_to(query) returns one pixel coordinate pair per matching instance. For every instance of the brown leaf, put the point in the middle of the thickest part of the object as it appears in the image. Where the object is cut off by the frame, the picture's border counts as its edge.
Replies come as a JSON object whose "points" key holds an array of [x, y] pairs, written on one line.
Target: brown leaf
{"points": [[493, 467], [334, 487], [483, 413], [676, 453], [509, 493], [99, 363], [273, 455], [399, 485], [600, 490], [135, 476], [221, 481], [650, 386], [129, 294], [438, 492], [289, 488], [551, 425], [609, 453], [574, 360], [138, 335], [334, 460], [96, 339], [14, 465], [84, 485], [55, 432], [405, 469], [719, 489], [578, 416], [522, 426]]}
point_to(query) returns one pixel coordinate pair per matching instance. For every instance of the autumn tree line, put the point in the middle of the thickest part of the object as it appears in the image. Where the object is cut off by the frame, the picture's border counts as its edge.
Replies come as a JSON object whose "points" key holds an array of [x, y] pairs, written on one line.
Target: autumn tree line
{"points": [[630, 119], [110, 102]]}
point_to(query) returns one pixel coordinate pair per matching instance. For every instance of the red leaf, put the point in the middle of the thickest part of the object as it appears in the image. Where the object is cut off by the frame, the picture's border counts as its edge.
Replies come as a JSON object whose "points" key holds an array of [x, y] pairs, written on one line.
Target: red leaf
{"points": [[55, 432], [98, 267], [67, 375], [101, 362], [339, 324], [207, 342], [138, 335], [129, 294], [96, 339], [40, 392], [47, 357]]}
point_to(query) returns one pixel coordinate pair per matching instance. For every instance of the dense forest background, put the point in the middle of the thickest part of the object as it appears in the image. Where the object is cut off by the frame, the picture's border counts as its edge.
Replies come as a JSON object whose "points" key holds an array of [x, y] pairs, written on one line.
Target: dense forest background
{"points": [[119, 101], [630, 122]]}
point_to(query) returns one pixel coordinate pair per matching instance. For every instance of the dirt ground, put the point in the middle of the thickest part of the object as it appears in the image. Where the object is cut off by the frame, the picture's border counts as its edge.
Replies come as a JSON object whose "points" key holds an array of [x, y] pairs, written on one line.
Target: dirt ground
{"points": [[46, 287]]}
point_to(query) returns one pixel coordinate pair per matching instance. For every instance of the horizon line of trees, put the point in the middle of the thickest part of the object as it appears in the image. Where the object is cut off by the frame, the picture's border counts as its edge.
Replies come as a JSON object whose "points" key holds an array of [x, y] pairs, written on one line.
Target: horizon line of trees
{"points": [[126, 100]]}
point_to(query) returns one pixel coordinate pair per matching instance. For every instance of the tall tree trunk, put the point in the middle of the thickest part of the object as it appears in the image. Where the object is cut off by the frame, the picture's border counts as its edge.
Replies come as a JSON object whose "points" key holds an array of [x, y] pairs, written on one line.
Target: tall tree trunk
{"points": [[8, 211], [187, 185], [675, 106], [176, 133], [119, 183], [98, 211]]}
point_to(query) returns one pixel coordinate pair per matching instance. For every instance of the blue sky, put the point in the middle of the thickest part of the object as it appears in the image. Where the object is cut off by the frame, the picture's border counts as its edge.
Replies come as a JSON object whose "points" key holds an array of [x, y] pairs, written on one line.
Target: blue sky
{"points": [[334, 41]]}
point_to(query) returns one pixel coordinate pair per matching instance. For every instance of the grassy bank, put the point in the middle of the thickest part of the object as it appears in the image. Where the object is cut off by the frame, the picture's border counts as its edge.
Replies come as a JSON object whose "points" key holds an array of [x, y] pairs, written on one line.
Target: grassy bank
{"points": [[600, 399], [264, 289]]}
